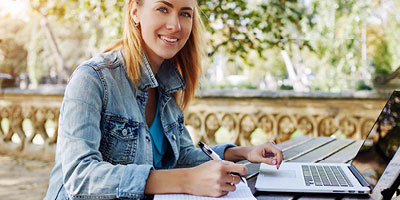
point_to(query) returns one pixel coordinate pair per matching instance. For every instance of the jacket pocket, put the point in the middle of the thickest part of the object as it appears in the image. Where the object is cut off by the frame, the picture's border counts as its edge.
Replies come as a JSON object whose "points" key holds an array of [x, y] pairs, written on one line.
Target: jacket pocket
{"points": [[119, 140]]}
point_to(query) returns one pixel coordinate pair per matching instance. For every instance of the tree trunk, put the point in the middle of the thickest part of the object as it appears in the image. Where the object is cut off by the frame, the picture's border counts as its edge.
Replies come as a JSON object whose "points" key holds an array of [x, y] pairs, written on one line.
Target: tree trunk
{"points": [[293, 75], [61, 66]]}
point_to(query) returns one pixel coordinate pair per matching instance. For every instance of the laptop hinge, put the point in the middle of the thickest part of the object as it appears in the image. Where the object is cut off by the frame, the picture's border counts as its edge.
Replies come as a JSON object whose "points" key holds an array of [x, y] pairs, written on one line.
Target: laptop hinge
{"points": [[359, 177]]}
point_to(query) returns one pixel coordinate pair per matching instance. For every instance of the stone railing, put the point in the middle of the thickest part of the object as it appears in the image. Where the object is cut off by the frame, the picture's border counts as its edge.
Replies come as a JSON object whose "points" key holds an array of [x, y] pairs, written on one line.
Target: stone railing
{"points": [[240, 113], [280, 114], [32, 109]]}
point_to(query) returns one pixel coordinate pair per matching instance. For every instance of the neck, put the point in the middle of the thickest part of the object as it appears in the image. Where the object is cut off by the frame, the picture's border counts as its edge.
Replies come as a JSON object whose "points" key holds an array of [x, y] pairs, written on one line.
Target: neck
{"points": [[155, 63], [155, 66]]}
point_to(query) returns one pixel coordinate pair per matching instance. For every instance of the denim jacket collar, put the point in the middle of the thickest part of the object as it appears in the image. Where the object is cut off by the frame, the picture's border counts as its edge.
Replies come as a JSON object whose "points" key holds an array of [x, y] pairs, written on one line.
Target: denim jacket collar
{"points": [[170, 79], [167, 77]]}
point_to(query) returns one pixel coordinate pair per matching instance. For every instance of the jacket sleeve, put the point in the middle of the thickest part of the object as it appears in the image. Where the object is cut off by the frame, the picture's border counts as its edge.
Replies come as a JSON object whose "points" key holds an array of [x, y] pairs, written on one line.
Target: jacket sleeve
{"points": [[190, 156], [85, 174]]}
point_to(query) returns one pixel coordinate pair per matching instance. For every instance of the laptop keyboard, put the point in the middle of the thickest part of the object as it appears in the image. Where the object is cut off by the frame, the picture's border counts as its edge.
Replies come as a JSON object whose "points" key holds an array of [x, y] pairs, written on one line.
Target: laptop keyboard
{"points": [[325, 176]]}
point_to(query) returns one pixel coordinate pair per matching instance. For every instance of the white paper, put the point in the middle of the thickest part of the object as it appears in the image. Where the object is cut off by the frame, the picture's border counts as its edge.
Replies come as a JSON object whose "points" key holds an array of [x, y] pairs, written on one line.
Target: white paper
{"points": [[242, 192]]}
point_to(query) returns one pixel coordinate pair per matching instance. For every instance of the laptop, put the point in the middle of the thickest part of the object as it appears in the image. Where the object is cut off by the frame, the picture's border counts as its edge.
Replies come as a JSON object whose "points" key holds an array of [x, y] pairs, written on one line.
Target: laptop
{"points": [[359, 176]]}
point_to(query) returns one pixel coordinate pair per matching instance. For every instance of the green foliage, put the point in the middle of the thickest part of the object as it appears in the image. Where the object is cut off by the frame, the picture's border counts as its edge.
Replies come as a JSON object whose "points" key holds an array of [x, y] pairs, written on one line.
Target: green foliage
{"points": [[99, 21], [361, 85], [5, 125], [238, 26], [335, 36], [338, 134], [258, 136], [297, 133], [286, 87], [82, 28], [382, 58], [222, 136]]}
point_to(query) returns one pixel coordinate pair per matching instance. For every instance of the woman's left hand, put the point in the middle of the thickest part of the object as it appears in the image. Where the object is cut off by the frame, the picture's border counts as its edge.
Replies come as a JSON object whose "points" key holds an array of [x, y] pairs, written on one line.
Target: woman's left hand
{"points": [[267, 153]]}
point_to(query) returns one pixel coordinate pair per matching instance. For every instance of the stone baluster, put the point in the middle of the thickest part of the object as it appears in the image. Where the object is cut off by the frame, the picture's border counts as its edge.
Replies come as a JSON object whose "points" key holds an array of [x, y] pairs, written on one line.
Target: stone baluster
{"points": [[286, 126], [230, 122], [211, 126], [16, 118], [247, 126], [267, 123]]}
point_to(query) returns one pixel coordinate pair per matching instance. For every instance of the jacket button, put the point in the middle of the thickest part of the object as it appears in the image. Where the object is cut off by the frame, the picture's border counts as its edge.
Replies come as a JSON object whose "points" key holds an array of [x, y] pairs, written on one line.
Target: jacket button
{"points": [[124, 132], [173, 137]]}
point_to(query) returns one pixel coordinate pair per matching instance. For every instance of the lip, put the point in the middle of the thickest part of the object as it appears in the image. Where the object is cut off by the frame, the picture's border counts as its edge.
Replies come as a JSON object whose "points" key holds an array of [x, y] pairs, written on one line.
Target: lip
{"points": [[168, 39]]}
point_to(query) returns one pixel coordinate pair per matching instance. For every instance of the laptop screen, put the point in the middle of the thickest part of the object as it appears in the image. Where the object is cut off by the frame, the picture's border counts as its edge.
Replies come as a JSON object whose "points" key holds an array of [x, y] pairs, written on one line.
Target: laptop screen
{"points": [[382, 142]]}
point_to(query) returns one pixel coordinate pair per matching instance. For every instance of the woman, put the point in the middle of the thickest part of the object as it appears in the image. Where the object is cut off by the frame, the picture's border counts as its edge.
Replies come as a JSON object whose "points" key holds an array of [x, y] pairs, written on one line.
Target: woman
{"points": [[121, 130]]}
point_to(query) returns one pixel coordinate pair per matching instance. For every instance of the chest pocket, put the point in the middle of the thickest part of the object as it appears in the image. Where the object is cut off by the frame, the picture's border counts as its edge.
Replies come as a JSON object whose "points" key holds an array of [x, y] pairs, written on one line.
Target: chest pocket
{"points": [[119, 140]]}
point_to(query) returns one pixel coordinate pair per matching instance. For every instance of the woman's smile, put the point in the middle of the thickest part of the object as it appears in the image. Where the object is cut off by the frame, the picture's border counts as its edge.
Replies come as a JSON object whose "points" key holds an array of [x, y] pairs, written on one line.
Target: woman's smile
{"points": [[170, 40]]}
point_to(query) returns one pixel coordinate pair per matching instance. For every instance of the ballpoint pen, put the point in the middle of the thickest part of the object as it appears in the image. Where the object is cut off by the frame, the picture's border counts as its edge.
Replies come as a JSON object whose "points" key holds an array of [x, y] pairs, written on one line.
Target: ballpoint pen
{"points": [[210, 153]]}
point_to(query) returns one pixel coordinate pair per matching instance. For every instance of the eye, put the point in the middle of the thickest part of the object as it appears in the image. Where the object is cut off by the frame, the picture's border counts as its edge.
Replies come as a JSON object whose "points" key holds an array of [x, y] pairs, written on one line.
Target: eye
{"points": [[162, 9], [186, 14]]}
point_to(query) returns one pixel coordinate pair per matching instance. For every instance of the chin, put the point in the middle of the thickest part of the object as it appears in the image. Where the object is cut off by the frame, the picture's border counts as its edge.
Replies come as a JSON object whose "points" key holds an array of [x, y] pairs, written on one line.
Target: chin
{"points": [[168, 55]]}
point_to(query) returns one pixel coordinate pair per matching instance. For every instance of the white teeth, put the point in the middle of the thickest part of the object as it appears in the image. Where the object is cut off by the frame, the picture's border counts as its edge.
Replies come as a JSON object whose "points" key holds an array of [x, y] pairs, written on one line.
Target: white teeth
{"points": [[168, 39]]}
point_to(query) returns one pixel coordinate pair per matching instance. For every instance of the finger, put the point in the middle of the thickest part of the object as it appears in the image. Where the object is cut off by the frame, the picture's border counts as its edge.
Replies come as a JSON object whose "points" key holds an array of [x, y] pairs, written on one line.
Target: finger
{"points": [[278, 154], [236, 179], [226, 162], [273, 160], [236, 168], [278, 158], [267, 154], [227, 187], [269, 161], [232, 179]]}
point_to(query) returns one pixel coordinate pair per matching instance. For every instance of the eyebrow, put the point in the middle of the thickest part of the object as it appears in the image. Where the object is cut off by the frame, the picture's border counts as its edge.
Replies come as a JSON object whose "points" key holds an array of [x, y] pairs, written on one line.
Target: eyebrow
{"points": [[172, 6]]}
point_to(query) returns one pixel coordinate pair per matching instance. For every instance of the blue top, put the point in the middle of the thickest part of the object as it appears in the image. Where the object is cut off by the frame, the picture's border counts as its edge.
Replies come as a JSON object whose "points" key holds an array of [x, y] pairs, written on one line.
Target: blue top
{"points": [[159, 141]]}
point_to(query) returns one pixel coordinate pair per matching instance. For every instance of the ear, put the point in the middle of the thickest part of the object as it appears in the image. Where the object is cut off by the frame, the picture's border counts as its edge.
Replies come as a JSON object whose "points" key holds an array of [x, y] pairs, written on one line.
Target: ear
{"points": [[134, 12]]}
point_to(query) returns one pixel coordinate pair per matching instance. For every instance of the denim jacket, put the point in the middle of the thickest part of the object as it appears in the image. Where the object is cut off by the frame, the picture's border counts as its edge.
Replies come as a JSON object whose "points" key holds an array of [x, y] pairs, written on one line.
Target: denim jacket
{"points": [[104, 149]]}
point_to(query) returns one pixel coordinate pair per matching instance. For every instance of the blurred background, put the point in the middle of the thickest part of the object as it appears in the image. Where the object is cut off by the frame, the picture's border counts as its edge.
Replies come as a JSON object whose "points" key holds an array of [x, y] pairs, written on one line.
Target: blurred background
{"points": [[276, 69], [300, 45]]}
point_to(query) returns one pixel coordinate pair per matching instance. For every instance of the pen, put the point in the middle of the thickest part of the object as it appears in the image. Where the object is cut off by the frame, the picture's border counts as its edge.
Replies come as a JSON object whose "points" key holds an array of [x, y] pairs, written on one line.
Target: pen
{"points": [[210, 153]]}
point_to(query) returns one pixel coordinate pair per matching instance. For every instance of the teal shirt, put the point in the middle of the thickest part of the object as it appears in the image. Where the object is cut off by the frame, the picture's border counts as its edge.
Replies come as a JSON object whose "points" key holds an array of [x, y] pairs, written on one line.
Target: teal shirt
{"points": [[159, 141]]}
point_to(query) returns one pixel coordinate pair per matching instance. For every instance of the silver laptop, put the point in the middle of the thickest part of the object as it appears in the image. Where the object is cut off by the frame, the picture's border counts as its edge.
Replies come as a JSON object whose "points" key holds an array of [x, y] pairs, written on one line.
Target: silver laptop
{"points": [[359, 176]]}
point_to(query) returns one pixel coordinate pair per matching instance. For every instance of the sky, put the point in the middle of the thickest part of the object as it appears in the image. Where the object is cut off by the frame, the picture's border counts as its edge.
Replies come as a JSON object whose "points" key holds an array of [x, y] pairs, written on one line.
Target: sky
{"points": [[13, 8]]}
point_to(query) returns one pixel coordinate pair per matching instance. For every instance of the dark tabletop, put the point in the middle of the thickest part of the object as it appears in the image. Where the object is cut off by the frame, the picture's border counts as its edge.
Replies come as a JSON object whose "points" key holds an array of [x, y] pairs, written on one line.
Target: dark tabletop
{"points": [[323, 149]]}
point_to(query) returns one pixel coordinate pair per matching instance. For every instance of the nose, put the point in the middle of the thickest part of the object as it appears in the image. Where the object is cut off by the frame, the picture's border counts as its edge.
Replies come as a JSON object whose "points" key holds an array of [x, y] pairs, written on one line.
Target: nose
{"points": [[173, 24]]}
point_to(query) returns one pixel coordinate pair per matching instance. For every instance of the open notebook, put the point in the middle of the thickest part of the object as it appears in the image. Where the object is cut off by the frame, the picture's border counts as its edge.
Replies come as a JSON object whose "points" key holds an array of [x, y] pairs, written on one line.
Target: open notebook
{"points": [[242, 192]]}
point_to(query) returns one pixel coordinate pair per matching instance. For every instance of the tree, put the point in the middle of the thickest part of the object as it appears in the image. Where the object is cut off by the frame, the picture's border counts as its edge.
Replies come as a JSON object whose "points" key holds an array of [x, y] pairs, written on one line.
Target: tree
{"points": [[320, 39], [12, 51], [336, 40], [238, 26], [386, 57]]}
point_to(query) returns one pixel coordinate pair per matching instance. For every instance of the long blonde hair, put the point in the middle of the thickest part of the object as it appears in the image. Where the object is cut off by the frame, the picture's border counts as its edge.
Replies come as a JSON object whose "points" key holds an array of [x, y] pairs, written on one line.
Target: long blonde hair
{"points": [[188, 59]]}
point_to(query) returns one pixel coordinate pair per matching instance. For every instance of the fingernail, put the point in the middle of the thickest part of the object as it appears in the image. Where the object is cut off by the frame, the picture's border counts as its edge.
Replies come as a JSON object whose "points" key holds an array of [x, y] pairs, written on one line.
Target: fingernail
{"points": [[277, 166], [274, 162]]}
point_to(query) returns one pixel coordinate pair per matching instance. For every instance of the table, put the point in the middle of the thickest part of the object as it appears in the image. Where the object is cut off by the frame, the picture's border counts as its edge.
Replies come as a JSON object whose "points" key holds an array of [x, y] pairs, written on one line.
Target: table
{"points": [[322, 149]]}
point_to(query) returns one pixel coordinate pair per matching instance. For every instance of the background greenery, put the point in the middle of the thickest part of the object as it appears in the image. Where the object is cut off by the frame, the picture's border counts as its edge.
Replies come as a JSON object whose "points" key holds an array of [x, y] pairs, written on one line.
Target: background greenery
{"points": [[333, 45]]}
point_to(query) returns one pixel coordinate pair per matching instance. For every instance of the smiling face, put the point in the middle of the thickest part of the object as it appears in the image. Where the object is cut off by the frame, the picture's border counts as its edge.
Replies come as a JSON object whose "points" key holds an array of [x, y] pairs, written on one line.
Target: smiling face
{"points": [[165, 26]]}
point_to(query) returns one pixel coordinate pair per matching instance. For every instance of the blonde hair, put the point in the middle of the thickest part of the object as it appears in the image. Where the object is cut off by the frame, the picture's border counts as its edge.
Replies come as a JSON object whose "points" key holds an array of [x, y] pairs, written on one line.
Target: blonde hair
{"points": [[188, 59]]}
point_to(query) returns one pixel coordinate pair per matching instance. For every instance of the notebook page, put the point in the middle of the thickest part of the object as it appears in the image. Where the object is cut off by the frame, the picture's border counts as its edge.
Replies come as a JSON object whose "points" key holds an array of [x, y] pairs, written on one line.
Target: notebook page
{"points": [[242, 192]]}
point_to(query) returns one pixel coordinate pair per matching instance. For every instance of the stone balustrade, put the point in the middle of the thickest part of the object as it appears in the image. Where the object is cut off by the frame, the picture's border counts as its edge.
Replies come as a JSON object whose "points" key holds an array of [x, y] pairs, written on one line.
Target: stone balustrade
{"points": [[278, 115]]}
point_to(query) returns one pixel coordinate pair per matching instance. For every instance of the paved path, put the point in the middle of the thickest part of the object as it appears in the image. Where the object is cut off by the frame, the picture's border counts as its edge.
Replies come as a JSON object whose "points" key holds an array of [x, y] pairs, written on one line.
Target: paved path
{"points": [[23, 179]]}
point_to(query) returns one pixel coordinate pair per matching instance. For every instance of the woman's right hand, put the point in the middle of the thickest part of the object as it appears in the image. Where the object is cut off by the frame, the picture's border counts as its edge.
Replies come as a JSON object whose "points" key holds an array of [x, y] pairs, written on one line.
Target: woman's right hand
{"points": [[214, 178]]}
